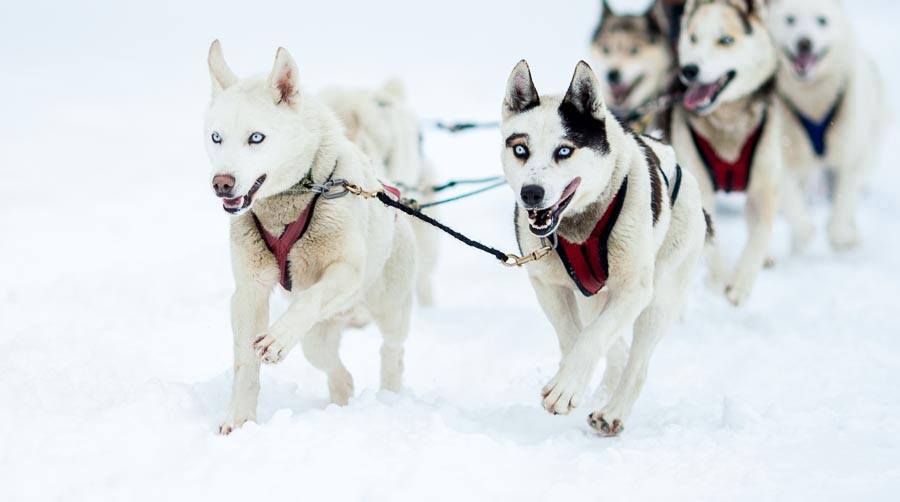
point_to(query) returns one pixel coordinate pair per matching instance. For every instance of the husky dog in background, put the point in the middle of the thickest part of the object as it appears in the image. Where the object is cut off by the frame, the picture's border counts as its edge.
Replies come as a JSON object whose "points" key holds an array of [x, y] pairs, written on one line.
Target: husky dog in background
{"points": [[381, 122], [635, 64], [727, 129], [628, 230], [264, 137], [834, 95]]}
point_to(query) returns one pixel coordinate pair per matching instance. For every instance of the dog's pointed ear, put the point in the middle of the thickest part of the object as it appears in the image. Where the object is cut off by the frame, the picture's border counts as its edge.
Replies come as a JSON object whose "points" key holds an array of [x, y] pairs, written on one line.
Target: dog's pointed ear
{"points": [[653, 27], [584, 93], [221, 75], [606, 11], [284, 82], [521, 95]]}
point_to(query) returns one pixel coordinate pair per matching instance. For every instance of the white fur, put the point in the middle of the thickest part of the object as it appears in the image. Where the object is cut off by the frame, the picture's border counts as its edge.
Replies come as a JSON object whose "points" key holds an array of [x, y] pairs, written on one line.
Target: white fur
{"points": [[853, 139], [381, 122], [650, 265], [356, 254]]}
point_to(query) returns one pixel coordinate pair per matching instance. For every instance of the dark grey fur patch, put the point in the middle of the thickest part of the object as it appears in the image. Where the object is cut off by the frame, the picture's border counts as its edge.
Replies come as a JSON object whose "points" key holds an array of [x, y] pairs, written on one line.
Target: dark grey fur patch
{"points": [[743, 14], [653, 166], [583, 129], [710, 230]]}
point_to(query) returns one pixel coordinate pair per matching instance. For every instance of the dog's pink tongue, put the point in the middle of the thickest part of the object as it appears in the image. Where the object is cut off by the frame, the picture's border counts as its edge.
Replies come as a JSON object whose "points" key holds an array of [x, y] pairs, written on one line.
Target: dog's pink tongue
{"points": [[804, 62], [699, 95]]}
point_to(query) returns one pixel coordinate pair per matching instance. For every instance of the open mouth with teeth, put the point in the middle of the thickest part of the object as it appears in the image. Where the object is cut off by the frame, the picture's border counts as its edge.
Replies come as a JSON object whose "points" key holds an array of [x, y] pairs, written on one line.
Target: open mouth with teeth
{"points": [[700, 97], [239, 204], [543, 222], [621, 92], [804, 63]]}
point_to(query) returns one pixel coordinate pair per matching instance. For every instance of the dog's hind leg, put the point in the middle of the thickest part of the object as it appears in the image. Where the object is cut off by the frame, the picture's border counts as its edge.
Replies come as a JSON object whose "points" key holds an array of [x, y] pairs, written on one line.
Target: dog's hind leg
{"points": [[649, 328], [321, 346], [394, 326], [249, 317]]}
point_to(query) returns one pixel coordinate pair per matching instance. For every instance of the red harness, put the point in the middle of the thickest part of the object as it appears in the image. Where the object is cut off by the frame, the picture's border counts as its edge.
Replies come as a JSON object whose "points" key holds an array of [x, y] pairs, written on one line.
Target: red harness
{"points": [[729, 176], [588, 262], [281, 246]]}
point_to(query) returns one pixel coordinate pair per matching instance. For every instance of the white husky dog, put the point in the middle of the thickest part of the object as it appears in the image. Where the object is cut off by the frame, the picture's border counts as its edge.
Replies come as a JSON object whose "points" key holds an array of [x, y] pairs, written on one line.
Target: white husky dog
{"points": [[381, 122], [835, 97], [728, 127], [266, 140], [626, 221], [635, 64]]}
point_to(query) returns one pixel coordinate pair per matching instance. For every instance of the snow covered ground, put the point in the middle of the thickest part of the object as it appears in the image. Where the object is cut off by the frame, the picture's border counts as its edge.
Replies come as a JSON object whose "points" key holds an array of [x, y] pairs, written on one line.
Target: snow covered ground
{"points": [[115, 350]]}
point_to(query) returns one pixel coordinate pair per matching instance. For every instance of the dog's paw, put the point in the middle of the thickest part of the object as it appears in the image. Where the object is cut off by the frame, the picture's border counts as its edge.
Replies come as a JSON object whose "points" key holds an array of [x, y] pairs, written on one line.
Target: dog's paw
{"points": [[843, 237], [563, 394], [738, 289], [604, 427], [229, 426], [769, 262], [269, 349]]}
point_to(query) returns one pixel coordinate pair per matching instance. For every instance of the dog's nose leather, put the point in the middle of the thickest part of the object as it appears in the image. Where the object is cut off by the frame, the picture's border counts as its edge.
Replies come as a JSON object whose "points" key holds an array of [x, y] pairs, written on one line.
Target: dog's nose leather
{"points": [[614, 77], [804, 46], [690, 72], [223, 184], [532, 195]]}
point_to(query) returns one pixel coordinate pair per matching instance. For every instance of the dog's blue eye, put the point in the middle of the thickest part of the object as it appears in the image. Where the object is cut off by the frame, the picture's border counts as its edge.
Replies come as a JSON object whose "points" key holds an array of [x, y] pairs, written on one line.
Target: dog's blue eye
{"points": [[790, 20], [520, 151], [726, 40], [563, 152], [256, 138], [823, 21], [216, 138]]}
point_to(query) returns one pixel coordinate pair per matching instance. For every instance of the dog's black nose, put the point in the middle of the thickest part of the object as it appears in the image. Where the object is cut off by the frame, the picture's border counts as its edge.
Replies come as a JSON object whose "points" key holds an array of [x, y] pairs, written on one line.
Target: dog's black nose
{"points": [[223, 184], [532, 195], [614, 77], [690, 72], [804, 46]]}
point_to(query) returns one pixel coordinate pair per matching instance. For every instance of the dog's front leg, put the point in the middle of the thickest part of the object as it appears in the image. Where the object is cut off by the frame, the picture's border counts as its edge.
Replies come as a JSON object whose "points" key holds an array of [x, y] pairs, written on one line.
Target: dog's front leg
{"points": [[249, 316], [339, 284], [560, 308], [626, 301], [762, 205], [843, 232]]}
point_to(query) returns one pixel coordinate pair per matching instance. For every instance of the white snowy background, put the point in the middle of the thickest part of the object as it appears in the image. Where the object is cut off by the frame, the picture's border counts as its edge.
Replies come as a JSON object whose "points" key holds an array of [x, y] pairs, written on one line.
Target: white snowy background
{"points": [[115, 347]]}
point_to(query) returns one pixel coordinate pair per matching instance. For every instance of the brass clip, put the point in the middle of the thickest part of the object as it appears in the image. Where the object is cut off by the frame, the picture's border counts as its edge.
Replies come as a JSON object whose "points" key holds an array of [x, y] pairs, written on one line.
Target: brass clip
{"points": [[518, 261], [357, 190]]}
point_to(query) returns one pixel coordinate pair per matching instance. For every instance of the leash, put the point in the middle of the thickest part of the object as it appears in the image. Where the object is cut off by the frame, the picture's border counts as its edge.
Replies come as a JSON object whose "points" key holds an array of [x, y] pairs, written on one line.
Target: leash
{"points": [[494, 182], [334, 189], [455, 127]]}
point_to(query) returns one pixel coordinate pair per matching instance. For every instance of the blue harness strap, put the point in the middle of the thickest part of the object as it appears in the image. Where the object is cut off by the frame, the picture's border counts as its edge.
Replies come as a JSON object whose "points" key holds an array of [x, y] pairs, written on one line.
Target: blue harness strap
{"points": [[817, 131]]}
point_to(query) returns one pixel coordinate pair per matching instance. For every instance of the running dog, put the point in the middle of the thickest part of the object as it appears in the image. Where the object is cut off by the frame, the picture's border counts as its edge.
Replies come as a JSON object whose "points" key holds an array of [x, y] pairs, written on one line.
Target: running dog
{"points": [[626, 225], [636, 63], [382, 124], [727, 128], [268, 142], [835, 98]]}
